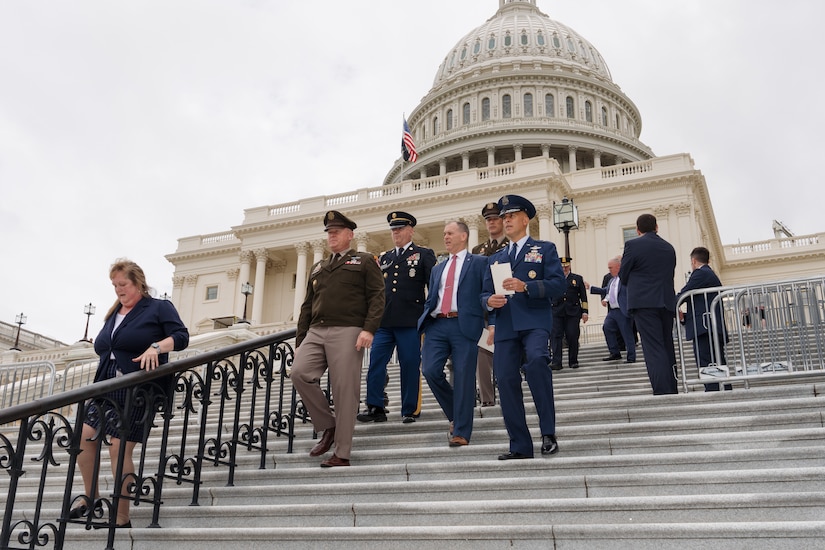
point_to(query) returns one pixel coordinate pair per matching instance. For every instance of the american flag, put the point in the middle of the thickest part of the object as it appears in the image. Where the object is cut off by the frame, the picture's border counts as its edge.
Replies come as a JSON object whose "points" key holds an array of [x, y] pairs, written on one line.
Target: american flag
{"points": [[408, 145]]}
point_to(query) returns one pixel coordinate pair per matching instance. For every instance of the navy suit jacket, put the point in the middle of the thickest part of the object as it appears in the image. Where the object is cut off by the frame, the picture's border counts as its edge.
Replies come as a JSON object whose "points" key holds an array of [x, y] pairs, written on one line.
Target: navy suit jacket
{"points": [[151, 320], [621, 296], [648, 265], [470, 312], [538, 265], [698, 305]]}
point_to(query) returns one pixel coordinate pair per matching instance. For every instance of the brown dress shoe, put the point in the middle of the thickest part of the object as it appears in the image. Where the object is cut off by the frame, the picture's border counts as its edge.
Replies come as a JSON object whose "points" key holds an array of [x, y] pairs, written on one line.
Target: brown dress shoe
{"points": [[324, 444], [334, 461], [458, 441]]}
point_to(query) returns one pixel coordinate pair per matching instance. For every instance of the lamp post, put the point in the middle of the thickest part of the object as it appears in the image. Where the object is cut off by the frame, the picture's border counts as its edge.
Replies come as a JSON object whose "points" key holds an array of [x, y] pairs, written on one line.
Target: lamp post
{"points": [[20, 320], [246, 290], [565, 218], [165, 296], [88, 310]]}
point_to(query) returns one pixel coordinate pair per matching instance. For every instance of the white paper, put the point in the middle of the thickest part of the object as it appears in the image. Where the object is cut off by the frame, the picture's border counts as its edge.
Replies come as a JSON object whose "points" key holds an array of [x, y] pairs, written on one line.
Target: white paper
{"points": [[500, 272], [482, 342]]}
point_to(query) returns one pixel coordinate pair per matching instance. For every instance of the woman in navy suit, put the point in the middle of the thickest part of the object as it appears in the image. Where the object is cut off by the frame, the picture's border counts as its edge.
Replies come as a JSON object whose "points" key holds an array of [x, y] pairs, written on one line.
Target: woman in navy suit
{"points": [[138, 334]]}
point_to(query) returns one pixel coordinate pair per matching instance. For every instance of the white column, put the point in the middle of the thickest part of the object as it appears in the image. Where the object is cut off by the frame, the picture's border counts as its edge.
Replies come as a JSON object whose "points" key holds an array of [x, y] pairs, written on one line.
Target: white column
{"points": [[362, 240], [518, 148], [442, 166], [597, 158], [261, 257], [300, 279], [243, 277], [544, 212], [318, 248], [571, 157], [472, 222], [465, 160], [491, 157]]}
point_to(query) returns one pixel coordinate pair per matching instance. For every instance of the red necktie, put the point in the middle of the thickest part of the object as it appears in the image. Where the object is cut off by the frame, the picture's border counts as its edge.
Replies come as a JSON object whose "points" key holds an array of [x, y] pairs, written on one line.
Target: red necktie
{"points": [[447, 300]]}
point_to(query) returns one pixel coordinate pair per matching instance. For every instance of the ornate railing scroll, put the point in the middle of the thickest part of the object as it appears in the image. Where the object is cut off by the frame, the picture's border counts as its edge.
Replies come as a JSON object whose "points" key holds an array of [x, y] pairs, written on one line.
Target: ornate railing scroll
{"points": [[198, 411]]}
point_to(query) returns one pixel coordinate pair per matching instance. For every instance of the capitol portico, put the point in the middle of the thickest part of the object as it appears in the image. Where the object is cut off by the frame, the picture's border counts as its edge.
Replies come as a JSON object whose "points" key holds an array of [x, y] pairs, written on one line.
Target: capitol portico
{"points": [[522, 104]]}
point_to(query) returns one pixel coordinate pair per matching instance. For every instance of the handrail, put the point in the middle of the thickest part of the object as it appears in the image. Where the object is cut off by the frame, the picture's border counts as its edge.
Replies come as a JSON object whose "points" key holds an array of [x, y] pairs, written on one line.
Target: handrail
{"points": [[244, 385]]}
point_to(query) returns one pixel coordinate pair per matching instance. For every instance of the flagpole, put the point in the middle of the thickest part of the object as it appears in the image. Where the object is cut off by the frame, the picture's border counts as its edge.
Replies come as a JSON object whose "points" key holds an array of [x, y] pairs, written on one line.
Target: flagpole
{"points": [[403, 120]]}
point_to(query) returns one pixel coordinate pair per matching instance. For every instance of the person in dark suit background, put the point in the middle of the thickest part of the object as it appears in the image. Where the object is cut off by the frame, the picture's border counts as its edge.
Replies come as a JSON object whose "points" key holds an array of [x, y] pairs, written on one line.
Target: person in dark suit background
{"points": [[339, 317], [138, 333], [617, 325], [648, 265], [520, 324], [569, 310], [496, 241], [451, 324], [697, 325], [406, 268]]}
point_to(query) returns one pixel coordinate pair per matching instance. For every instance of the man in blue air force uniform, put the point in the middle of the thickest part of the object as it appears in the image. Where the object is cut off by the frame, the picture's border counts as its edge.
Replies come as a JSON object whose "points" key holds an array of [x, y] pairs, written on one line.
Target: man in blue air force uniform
{"points": [[520, 325], [406, 269]]}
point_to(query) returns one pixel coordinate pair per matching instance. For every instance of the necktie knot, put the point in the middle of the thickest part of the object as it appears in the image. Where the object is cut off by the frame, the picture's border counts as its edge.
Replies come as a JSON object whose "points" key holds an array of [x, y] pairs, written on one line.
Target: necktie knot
{"points": [[494, 244]]}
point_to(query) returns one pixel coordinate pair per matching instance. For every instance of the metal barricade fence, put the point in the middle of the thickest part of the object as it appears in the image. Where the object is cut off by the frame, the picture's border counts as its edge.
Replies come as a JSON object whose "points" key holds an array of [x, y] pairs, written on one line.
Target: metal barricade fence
{"points": [[24, 382], [756, 331]]}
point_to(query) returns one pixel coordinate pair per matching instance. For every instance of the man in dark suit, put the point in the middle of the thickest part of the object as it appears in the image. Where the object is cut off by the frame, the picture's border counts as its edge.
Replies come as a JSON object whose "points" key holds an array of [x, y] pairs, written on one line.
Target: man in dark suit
{"points": [[340, 314], [452, 323], [648, 265], [617, 325], [569, 310], [521, 318], [406, 268], [496, 241], [697, 323]]}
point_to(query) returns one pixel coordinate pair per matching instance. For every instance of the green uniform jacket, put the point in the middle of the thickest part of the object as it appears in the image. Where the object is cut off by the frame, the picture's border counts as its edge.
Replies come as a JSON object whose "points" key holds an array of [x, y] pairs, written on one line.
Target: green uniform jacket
{"points": [[347, 293]]}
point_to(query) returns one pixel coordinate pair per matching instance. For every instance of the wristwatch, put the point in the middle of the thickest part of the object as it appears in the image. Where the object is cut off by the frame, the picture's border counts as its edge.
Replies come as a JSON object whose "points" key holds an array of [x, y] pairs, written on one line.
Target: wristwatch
{"points": [[156, 346]]}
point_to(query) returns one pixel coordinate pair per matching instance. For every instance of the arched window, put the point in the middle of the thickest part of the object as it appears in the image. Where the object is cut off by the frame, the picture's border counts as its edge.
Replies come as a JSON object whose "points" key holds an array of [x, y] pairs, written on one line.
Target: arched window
{"points": [[617, 121], [571, 108], [570, 46], [540, 39], [477, 47], [528, 105], [465, 114], [485, 109], [588, 111], [604, 116], [508, 40], [435, 126], [463, 52], [506, 106], [556, 41], [549, 105], [449, 119], [524, 38], [491, 44]]}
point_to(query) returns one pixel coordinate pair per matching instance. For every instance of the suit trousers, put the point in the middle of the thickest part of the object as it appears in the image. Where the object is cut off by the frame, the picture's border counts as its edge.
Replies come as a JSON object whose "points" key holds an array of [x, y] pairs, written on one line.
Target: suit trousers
{"points": [[566, 326], [443, 338], [484, 375], [507, 367], [408, 343], [618, 324], [655, 326], [333, 349]]}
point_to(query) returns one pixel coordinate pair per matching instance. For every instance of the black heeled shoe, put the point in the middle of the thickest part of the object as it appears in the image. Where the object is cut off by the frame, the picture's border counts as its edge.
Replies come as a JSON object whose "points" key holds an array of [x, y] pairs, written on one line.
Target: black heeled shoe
{"points": [[127, 525], [81, 511]]}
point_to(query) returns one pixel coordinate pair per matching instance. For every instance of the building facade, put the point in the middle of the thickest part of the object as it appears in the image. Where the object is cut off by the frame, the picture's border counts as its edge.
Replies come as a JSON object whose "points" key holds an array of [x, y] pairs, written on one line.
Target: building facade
{"points": [[521, 104]]}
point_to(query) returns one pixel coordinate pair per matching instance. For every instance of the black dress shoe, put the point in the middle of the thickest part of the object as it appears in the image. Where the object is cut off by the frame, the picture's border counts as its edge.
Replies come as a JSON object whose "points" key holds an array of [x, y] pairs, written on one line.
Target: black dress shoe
{"points": [[513, 456], [574, 366], [630, 361], [612, 357], [549, 445], [555, 366], [372, 414]]}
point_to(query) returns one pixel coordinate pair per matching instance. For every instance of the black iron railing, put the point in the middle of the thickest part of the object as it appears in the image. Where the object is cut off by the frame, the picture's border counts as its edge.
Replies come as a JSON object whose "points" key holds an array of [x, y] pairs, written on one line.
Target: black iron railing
{"points": [[208, 408]]}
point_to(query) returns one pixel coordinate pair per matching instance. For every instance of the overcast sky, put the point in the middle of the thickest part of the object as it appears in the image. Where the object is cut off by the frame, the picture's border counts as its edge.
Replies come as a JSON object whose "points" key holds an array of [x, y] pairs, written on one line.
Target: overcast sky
{"points": [[127, 125]]}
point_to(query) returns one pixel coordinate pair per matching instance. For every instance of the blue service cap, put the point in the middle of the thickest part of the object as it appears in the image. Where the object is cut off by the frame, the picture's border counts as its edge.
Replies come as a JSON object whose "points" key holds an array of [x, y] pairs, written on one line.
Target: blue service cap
{"points": [[516, 203]]}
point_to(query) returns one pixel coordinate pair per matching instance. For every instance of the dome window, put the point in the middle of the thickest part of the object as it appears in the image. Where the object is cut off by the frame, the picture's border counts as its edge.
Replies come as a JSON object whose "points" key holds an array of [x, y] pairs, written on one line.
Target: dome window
{"points": [[540, 39], [549, 105], [449, 119], [588, 111], [435, 126], [571, 108], [604, 116], [556, 41], [485, 109], [463, 53], [465, 114], [528, 105], [524, 40], [508, 40], [477, 47], [570, 46], [491, 44], [506, 106]]}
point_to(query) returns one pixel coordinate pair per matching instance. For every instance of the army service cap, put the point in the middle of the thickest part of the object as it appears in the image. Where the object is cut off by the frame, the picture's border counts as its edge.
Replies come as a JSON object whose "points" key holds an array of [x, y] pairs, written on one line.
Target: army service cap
{"points": [[400, 219], [334, 219], [490, 210]]}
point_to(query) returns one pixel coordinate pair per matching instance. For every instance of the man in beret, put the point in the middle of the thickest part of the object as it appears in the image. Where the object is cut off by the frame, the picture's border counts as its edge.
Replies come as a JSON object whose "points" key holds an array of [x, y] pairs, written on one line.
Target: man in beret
{"points": [[341, 313], [521, 317], [496, 241], [406, 269], [569, 310]]}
